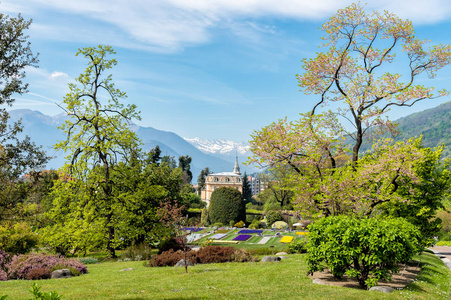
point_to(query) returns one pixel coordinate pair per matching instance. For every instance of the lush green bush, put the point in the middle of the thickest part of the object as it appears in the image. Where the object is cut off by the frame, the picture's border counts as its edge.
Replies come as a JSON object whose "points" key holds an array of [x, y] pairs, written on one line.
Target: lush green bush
{"points": [[226, 204], [298, 245], [368, 249], [239, 224], [141, 251], [204, 221], [273, 216], [18, 238]]}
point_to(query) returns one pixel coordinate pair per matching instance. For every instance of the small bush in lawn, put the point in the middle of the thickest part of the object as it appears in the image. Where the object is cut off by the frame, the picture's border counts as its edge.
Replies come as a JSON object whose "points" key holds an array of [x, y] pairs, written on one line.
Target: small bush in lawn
{"points": [[218, 224], [39, 273], [88, 260], [166, 258], [215, 254], [21, 265], [368, 249], [297, 246], [242, 255], [143, 251]]}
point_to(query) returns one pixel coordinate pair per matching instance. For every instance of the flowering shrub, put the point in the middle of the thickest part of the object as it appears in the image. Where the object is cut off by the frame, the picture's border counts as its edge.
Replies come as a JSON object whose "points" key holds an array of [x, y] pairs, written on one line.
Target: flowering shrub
{"points": [[249, 231], [286, 239], [242, 237], [22, 266]]}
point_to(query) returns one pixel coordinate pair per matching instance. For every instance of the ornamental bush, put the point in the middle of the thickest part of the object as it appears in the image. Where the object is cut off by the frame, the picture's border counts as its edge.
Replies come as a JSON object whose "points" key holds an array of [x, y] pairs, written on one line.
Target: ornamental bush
{"points": [[367, 249], [25, 266], [273, 216], [226, 205]]}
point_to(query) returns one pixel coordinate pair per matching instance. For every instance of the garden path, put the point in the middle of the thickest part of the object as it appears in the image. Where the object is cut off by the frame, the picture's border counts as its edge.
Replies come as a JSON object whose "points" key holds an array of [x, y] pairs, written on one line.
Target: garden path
{"points": [[444, 252], [264, 240]]}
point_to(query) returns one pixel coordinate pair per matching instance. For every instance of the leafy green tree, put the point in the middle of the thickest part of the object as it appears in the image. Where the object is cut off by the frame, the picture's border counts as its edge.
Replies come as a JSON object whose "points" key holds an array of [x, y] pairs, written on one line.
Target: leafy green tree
{"points": [[226, 205], [170, 161], [98, 135], [16, 156]]}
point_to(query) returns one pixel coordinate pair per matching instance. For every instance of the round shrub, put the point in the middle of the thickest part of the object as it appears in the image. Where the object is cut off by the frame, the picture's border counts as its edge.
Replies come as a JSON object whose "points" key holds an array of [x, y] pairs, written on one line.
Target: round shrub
{"points": [[279, 225], [367, 249], [226, 205], [273, 216]]}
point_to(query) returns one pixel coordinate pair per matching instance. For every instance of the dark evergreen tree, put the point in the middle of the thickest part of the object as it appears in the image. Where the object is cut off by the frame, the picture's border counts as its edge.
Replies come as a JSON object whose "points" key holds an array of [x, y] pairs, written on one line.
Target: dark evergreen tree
{"points": [[226, 205], [153, 157], [201, 179], [247, 191], [184, 164]]}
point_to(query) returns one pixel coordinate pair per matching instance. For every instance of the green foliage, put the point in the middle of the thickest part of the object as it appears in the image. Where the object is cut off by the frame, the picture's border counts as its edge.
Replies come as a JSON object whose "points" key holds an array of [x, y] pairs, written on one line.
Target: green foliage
{"points": [[18, 238], [201, 179], [239, 224], [218, 224], [247, 191], [137, 252], [273, 216], [298, 245], [204, 217], [192, 200], [38, 295], [226, 204], [88, 260], [368, 249]]}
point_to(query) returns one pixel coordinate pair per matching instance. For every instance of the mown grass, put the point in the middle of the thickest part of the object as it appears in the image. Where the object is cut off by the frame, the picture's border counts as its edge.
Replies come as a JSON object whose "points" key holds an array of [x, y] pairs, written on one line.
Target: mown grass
{"points": [[282, 280]]}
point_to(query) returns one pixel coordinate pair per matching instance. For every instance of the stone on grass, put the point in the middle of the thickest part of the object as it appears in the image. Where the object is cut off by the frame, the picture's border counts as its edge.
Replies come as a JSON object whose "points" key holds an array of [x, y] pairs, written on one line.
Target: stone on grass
{"points": [[181, 263], [63, 273], [282, 253], [381, 288], [271, 258], [128, 269], [319, 281]]}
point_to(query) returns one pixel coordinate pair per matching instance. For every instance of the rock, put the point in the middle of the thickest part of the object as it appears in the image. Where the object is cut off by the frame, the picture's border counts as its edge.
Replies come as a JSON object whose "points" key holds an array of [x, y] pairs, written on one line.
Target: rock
{"points": [[319, 281], [128, 269], [271, 258], [63, 273], [282, 253], [284, 257], [381, 288], [181, 263]]}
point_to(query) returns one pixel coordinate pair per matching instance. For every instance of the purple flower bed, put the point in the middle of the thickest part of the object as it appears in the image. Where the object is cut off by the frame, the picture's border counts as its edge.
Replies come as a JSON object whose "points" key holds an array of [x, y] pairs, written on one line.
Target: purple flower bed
{"points": [[242, 237], [248, 231], [192, 229]]}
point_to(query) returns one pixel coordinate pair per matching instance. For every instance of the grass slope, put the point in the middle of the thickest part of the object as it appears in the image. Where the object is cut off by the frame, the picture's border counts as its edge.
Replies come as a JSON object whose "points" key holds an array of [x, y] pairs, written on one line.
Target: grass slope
{"points": [[283, 280]]}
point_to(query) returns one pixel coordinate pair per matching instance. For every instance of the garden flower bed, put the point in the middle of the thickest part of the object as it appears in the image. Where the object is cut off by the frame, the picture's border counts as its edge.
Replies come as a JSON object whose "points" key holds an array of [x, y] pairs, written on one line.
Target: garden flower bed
{"points": [[218, 236], [222, 231], [249, 231], [286, 239], [301, 233], [192, 229], [242, 237]]}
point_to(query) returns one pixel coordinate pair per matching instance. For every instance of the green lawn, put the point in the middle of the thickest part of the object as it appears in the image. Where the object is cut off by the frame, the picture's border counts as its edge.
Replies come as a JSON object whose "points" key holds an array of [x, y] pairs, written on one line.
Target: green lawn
{"points": [[282, 280]]}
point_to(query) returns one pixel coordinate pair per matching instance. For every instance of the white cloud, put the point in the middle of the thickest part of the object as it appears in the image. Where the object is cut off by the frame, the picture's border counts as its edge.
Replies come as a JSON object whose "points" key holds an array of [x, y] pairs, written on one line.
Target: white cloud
{"points": [[58, 75], [172, 25]]}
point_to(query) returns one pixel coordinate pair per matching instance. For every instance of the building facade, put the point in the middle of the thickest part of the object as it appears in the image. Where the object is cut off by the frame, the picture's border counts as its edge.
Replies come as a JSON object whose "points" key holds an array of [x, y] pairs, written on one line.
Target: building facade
{"points": [[223, 179]]}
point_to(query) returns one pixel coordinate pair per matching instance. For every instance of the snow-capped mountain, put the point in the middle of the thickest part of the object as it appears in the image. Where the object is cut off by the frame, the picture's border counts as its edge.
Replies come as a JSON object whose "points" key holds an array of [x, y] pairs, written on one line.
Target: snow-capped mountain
{"points": [[222, 147]]}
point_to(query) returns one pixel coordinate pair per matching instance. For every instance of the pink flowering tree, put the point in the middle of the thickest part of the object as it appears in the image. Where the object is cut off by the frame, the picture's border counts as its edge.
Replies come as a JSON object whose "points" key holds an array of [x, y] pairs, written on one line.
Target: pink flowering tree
{"points": [[355, 72]]}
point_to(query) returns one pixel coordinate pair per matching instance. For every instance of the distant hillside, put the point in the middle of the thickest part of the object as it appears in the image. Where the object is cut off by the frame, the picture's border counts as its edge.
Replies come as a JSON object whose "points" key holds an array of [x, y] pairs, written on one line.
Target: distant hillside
{"points": [[434, 124], [42, 129]]}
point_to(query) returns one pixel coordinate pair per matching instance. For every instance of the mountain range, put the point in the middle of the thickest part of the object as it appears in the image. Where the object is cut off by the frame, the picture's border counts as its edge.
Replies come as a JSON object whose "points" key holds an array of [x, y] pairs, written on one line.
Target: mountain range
{"points": [[219, 155], [42, 129]]}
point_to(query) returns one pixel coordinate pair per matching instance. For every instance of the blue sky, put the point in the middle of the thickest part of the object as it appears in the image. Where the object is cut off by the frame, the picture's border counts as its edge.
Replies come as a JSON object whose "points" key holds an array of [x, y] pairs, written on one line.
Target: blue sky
{"points": [[214, 69]]}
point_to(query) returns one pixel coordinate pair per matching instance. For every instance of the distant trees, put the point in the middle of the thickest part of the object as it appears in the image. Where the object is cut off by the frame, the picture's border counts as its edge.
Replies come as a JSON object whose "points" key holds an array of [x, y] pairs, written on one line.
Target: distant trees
{"points": [[247, 189]]}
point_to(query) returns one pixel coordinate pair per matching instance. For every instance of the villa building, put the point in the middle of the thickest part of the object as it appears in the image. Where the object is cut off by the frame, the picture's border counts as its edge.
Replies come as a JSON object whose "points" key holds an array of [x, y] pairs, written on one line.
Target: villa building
{"points": [[223, 179]]}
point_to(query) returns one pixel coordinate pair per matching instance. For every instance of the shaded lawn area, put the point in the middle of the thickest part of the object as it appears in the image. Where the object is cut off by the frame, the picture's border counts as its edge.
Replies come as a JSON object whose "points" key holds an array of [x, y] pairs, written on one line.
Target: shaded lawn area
{"points": [[282, 280]]}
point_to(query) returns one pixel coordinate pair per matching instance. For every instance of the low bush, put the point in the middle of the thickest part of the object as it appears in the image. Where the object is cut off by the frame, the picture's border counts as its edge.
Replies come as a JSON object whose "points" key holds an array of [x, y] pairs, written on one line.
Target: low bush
{"points": [[215, 254], [273, 216], [166, 258], [21, 266], [297, 246], [141, 251], [88, 260], [239, 224], [367, 249], [218, 224], [17, 238], [39, 273], [242, 255]]}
